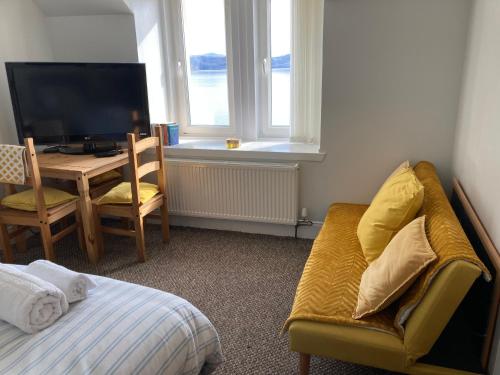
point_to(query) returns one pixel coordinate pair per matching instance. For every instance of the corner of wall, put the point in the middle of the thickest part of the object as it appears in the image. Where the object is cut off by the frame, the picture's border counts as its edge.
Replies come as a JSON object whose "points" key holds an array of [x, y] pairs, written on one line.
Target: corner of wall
{"points": [[27, 39], [464, 88]]}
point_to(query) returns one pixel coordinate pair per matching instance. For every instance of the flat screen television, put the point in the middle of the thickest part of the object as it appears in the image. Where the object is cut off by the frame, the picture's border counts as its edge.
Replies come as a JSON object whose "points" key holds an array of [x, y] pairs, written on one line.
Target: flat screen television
{"points": [[67, 103]]}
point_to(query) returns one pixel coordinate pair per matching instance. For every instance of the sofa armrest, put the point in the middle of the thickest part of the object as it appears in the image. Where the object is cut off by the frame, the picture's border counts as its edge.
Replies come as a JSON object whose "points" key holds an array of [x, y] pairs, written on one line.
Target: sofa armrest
{"points": [[431, 316]]}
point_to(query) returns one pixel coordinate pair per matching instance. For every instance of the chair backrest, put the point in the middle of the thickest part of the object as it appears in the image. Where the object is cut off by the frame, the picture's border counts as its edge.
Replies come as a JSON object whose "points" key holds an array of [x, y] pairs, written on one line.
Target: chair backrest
{"points": [[139, 170], [32, 176]]}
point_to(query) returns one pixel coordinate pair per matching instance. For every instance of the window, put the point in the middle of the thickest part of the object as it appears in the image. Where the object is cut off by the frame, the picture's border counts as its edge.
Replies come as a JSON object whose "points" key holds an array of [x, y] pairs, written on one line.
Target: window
{"points": [[231, 66], [206, 68], [273, 48], [280, 62]]}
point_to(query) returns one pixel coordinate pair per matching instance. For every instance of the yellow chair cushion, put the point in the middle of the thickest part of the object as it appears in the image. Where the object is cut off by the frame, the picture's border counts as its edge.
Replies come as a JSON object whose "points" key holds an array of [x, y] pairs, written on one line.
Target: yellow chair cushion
{"points": [[393, 272], [25, 200], [105, 177], [394, 206], [122, 193]]}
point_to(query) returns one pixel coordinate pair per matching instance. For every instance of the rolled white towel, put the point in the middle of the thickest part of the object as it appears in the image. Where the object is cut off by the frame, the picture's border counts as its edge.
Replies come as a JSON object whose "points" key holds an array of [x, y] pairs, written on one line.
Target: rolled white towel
{"points": [[74, 285], [28, 302]]}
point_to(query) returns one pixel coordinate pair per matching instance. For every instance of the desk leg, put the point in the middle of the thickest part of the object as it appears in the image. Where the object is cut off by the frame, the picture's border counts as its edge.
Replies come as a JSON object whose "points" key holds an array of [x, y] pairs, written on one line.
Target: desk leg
{"points": [[87, 217]]}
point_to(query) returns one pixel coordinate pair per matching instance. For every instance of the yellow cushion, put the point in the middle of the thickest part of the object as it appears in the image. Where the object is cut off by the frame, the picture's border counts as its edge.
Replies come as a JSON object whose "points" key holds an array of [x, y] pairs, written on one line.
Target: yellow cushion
{"points": [[394, 206], [25, 200], [122, 193], [108, 176], [391, 274]]}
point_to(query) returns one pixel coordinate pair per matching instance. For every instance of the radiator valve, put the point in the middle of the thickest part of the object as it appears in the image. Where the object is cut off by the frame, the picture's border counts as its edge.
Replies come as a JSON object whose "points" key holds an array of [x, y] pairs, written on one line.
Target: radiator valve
{"points": [[303, 221]]}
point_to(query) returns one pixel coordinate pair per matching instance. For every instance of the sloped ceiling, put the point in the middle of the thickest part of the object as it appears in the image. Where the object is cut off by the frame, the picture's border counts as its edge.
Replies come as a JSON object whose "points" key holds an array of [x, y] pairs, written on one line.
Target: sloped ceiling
{"points": [[61, 8]]}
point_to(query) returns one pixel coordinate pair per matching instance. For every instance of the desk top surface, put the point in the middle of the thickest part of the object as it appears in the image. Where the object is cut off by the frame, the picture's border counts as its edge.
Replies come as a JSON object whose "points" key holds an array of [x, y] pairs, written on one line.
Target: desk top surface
{"points": [[66, 165]]}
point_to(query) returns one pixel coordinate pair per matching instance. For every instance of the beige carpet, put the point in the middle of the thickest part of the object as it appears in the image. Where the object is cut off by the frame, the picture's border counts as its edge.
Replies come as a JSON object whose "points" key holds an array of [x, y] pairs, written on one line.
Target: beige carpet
{"points": [[244, 283]]}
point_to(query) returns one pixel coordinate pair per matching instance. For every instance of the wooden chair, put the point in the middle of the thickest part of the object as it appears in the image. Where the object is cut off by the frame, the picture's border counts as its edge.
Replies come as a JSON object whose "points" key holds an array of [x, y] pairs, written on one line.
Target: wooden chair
{"points": [[136, 211], [20, 220]]}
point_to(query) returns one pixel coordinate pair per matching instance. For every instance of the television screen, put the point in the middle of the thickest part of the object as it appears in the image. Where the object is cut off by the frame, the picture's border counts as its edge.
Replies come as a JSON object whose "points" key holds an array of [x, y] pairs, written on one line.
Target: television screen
{"points": [[71, 102]]}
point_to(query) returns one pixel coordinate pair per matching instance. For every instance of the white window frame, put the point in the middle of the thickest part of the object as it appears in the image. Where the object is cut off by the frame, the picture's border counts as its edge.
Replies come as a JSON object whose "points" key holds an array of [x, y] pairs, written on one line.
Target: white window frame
{"points": [[248, 70], [263, 69], [177, 66]]}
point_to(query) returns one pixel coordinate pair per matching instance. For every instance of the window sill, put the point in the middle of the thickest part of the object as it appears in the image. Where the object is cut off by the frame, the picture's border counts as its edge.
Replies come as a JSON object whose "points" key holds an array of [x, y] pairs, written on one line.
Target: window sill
{"points": [[215, 148]]}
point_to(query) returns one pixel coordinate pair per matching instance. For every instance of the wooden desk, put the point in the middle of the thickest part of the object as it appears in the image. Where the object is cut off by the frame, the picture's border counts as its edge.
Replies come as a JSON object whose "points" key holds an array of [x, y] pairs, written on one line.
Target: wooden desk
{"points": [[80, 168]]}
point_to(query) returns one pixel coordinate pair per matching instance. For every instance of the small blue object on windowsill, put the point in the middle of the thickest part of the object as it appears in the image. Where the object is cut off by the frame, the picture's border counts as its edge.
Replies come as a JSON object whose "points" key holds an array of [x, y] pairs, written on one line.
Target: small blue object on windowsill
{"points": [[173, 134], [170, 134]]}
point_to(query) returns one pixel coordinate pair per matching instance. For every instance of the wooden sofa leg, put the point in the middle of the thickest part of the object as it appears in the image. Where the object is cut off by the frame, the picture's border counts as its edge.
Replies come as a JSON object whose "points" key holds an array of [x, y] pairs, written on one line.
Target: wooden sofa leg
{"points": [[305, 360]]}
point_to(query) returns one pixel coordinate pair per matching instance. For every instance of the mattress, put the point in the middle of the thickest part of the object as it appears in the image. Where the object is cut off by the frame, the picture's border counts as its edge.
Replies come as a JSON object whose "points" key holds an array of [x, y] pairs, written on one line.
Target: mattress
{"points": [[121, 328]]}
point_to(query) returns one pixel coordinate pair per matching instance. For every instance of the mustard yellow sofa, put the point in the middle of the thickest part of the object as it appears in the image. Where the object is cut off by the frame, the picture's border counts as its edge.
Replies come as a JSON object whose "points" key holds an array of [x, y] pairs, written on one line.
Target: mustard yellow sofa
{"points": [[395, 339]]}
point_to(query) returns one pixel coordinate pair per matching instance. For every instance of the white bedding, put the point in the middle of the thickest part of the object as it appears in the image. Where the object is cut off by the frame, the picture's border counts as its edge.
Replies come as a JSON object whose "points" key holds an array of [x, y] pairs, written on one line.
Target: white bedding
{"points": [[120, 328]]}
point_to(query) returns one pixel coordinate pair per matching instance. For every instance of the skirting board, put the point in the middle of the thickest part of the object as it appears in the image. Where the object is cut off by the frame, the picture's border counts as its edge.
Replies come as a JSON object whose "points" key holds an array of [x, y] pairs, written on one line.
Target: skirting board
{"points": [[307, 232]]}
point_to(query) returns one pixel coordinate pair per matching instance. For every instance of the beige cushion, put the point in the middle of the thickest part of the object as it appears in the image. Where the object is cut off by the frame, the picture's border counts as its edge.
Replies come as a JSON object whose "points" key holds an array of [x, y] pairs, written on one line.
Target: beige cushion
{"points": [[401, 168], [391, 274]]}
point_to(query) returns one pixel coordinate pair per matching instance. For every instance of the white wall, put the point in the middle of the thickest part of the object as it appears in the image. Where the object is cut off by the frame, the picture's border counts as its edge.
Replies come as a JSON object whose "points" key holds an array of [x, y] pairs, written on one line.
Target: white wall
{"points": [[93, 38], [23, 37], [58, 8], [391, 81], [149, 33], [477, 148]]}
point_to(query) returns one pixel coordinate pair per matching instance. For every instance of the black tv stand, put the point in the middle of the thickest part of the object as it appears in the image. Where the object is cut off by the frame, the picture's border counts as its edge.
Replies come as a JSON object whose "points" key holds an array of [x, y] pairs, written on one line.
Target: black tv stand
{"points": [[71, 150], [84, 149]]}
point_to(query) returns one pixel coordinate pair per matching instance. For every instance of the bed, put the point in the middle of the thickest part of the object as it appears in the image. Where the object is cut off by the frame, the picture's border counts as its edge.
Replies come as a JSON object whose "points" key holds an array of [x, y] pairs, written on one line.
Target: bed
{"points": [[121, 328]]}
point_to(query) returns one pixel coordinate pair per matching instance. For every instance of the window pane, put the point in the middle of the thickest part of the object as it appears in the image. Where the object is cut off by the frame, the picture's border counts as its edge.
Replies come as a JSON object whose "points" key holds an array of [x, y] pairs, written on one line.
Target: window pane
{"points": [[280, 62], [205, 43]]}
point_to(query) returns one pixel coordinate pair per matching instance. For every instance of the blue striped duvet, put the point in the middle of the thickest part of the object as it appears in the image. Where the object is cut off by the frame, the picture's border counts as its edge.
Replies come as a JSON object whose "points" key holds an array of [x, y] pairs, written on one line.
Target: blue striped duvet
{"points": [[120, 328]]}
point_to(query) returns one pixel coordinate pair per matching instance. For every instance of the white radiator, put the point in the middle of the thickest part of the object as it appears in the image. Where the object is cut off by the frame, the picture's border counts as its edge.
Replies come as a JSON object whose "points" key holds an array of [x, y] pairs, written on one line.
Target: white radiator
{"points": [[263, 192]]}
